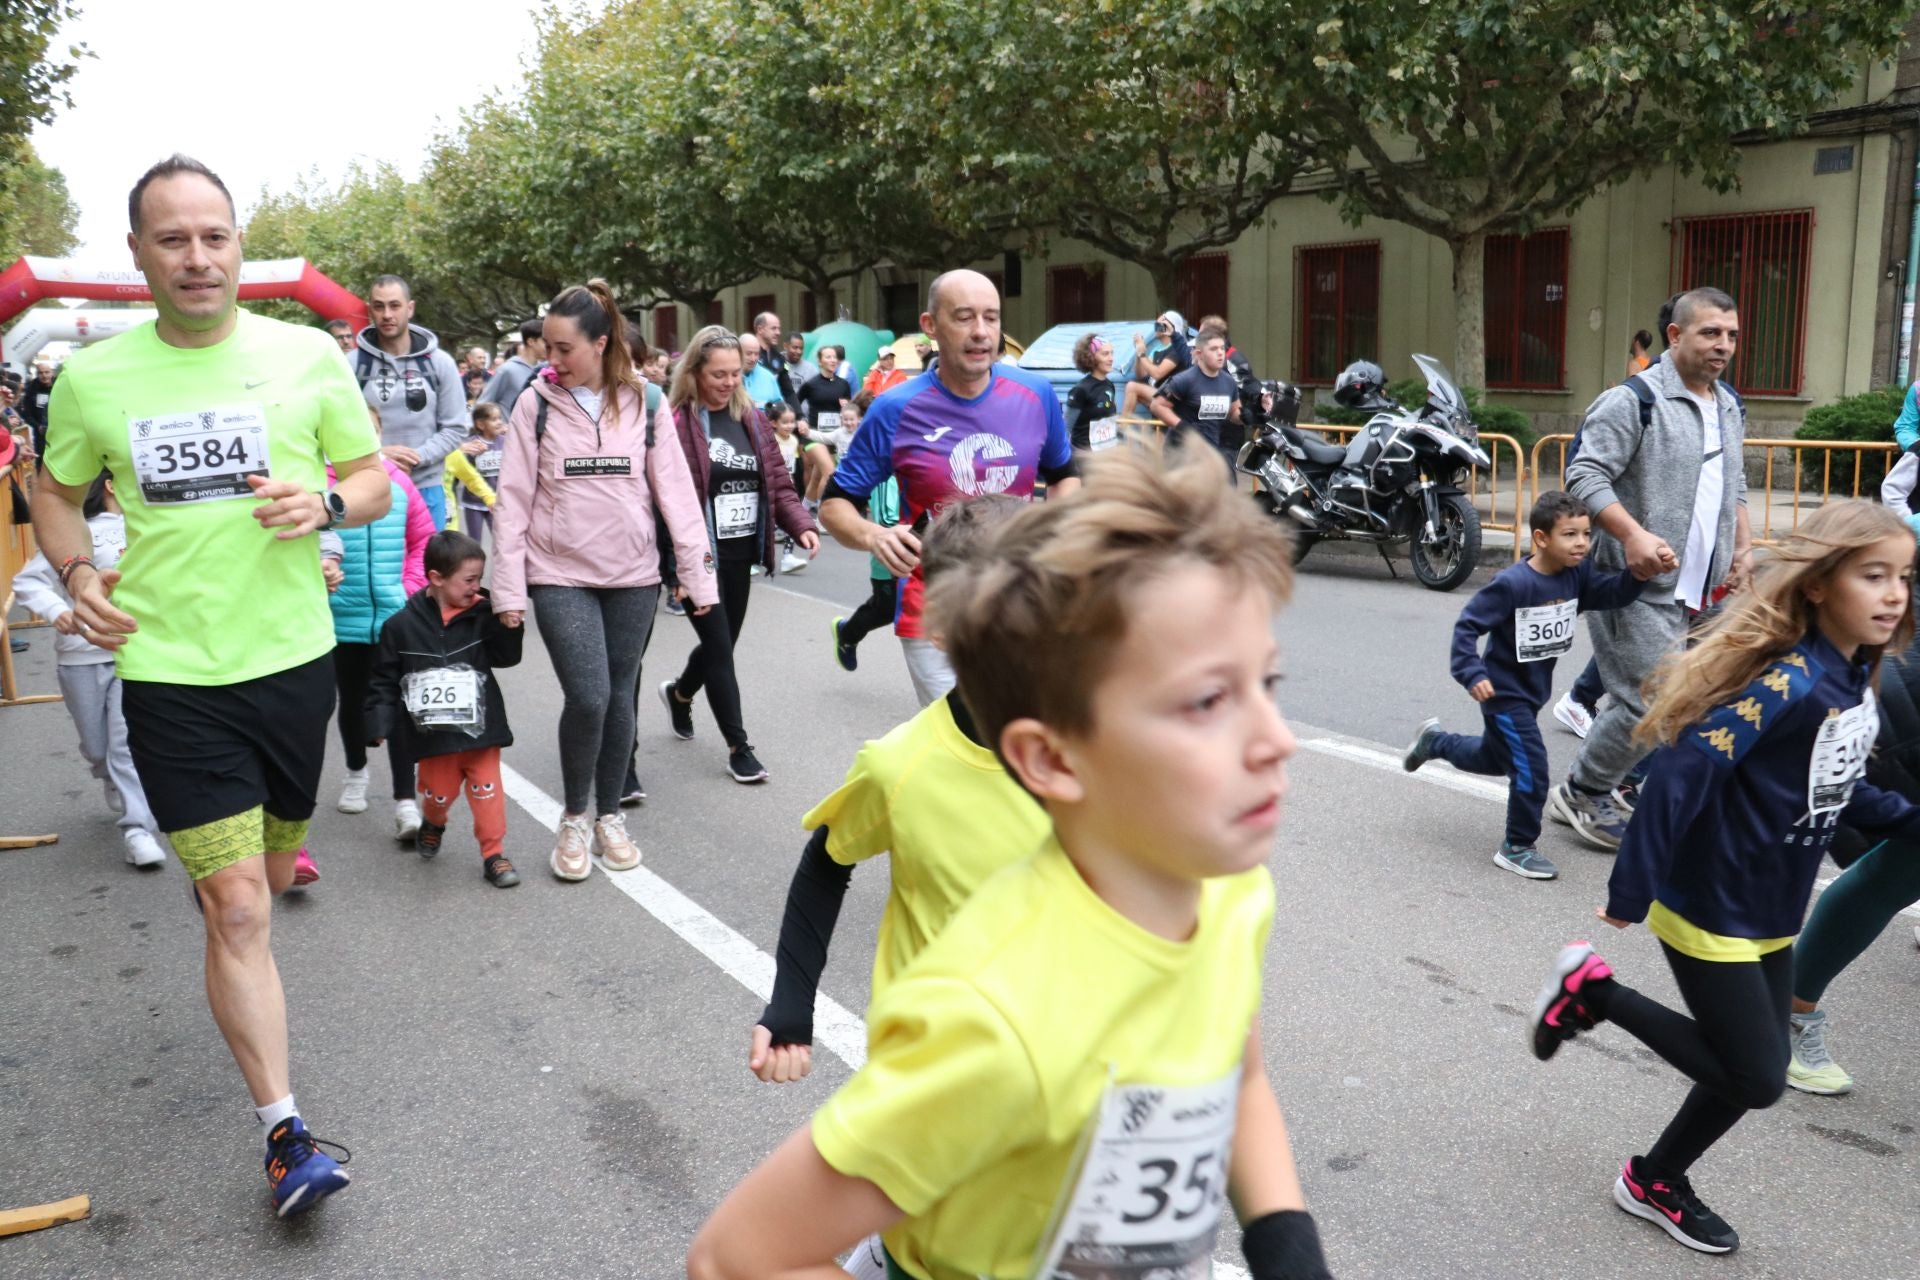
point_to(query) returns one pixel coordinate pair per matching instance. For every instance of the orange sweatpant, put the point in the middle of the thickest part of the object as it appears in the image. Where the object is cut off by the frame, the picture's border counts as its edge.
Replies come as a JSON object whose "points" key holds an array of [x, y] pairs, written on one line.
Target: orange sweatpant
{"points": [[441, 778]]}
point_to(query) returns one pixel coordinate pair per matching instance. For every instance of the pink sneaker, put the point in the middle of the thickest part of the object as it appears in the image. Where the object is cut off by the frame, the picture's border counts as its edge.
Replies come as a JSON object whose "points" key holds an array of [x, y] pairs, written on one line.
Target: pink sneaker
{"points": [[304, 872], [1564, 1010]]}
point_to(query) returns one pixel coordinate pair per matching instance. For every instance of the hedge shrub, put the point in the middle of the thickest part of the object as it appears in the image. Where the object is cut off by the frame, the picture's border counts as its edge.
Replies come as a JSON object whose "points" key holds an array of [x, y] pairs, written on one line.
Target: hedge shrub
{"points": [[1867, 417]]}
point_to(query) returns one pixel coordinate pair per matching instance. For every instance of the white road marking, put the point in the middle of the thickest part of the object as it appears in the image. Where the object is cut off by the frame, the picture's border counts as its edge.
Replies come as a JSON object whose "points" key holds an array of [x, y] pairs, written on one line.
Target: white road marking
{"points": [[841, 1032]]}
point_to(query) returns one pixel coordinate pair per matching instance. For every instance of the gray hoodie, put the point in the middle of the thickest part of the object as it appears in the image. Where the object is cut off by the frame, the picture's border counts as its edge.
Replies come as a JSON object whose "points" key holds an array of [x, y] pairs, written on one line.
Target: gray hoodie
{"points": [[401, 390], [1653, 473]]}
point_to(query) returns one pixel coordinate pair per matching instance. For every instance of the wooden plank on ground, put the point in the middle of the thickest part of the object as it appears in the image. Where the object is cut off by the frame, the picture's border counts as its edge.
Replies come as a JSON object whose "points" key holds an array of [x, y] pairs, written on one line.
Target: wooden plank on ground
{"points": [[27, 842], [40, 1216]]}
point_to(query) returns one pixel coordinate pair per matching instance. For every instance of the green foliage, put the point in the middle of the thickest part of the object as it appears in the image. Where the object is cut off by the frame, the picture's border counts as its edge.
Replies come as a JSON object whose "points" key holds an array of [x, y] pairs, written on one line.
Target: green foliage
{"points": [[34, 75], [1867, 416], [36, 214]]}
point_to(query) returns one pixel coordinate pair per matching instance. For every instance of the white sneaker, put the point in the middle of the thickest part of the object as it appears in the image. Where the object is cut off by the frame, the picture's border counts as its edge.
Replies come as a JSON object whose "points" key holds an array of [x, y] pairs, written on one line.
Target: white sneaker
{"points": [[353, 796], [615, 847], [143, 850], [791, 563], [116, 803], [1573, 715], [572, 858], [406, 820]]}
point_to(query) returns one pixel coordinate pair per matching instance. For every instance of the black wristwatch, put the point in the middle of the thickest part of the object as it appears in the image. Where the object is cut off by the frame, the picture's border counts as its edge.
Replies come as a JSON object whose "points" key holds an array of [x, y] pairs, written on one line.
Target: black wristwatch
{"points": [[336, 508]]}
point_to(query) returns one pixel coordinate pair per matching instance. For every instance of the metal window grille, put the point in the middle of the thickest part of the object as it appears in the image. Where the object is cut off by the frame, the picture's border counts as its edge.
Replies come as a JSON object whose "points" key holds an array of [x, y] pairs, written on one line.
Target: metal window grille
{"points": [[1202, 286], [1833, 160], [809, 311], [1763, 260], [1526, 309], [1339, 323], [756, 303], [1076, 295], [717, 311], [666, 327]]}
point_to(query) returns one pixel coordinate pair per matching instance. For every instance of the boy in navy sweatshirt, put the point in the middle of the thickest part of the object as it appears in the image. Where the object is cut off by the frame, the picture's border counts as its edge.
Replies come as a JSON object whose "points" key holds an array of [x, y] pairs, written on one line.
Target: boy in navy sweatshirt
{"points": [[1528, 615]]}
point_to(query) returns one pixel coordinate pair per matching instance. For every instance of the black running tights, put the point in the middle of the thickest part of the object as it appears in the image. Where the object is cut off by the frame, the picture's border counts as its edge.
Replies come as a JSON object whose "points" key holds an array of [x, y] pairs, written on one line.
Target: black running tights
{"points": [[353, 673], [1734, 1047]]}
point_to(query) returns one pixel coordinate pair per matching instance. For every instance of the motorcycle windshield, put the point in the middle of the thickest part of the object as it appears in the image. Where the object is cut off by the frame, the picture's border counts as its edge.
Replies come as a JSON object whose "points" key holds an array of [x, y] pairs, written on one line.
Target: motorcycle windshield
{"points": [[1441, 390]]}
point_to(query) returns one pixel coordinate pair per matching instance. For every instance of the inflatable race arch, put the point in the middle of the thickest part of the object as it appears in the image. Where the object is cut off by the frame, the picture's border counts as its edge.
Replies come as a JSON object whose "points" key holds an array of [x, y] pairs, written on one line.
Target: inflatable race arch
{"points": [[32, 280]]}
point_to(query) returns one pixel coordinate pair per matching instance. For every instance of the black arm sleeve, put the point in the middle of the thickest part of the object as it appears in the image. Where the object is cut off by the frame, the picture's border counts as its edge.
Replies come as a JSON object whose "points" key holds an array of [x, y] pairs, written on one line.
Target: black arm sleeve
{"points": [[833, 490], [813, 908], [1284, 1246], [1053, 475]]}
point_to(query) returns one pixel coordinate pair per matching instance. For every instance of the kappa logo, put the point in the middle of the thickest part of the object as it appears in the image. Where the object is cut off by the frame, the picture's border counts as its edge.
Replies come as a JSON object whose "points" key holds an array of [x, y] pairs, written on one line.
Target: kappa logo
{"points": [[206, 420], [1140, 1109], [974, 480]]}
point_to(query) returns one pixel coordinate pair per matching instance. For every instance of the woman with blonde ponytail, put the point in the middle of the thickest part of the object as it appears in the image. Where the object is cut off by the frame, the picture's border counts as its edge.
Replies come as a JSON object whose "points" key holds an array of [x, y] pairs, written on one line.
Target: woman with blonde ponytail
{"points": [[1763, 730], [591, 460]]}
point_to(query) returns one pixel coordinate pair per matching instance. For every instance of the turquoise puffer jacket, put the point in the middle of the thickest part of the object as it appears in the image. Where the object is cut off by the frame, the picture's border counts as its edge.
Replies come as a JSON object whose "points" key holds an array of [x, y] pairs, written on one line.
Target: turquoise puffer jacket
{"points": [[381, 565]]}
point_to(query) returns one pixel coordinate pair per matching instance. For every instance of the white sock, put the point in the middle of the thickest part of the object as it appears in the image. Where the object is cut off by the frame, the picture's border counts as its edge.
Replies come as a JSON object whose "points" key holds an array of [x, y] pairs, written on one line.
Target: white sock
{"points": [[274, 1112], [358, 775]]}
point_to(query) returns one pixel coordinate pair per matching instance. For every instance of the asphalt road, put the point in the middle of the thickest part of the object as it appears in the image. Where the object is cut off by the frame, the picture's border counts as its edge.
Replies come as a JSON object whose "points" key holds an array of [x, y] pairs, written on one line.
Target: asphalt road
{"points": [[551, 1081]]}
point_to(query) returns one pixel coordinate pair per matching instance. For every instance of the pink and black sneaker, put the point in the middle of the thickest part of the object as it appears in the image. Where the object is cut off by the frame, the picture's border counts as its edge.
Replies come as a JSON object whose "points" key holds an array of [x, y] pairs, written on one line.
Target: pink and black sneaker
{"points": [[1669, 1203], [1563, 1011], [304, 872]]}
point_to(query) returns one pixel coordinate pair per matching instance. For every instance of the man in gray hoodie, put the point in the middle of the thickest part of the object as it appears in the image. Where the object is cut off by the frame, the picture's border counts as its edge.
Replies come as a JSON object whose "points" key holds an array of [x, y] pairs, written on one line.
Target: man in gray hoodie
{"points": [[1677, 481], [416, 389], [511, 378]]}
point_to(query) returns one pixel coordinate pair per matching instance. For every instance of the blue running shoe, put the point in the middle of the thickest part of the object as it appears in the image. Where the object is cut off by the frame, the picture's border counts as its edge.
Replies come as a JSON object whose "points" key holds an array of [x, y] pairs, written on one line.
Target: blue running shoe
{"points": [[299, 1174], [846, 655], [1422, 749], [1528, 861]]}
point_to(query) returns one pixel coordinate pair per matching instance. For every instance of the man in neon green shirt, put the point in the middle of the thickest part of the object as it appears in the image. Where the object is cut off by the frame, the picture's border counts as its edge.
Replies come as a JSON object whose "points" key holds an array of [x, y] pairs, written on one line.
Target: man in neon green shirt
{"points": [[217, 426]]}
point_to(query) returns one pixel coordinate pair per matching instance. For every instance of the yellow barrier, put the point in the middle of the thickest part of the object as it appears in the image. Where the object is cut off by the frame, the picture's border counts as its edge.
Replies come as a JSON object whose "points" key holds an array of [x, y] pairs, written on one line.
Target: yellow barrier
{"points": [[1760, 507], [16, 548]]}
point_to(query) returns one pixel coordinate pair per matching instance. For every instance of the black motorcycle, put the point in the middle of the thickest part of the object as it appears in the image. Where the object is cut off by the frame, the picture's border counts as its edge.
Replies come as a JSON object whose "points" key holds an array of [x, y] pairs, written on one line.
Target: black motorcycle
{"points": [[1400, 479]]}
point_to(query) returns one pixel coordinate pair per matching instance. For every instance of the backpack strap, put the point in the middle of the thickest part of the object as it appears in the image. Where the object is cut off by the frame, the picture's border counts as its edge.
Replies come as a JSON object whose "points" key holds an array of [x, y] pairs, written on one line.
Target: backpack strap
{"points": [[1643, 392]]}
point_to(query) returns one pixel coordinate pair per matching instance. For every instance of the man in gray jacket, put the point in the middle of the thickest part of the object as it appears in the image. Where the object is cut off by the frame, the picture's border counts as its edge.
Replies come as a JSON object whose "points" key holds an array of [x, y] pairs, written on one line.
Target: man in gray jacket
{"points": [[511, 378], [1679, 481], [416, 389]]}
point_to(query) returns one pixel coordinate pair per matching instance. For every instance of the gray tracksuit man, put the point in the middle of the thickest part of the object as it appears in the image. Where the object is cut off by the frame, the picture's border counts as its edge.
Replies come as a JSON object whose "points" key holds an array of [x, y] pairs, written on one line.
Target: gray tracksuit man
{"points": [[412, 413], [1653, 474]]}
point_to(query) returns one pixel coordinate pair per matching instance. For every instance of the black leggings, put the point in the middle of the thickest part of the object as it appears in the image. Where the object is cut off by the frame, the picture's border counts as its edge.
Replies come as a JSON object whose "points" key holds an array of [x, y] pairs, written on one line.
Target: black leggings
{"points": [[1734, 1047], [875, 612], [352, 674], [710, 665]]}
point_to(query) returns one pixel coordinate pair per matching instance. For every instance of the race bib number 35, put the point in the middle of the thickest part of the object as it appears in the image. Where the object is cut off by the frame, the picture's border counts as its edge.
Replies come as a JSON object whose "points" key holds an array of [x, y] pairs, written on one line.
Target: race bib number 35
{"points": [[1147, 1201], [1545, 631], [203, 456], [1840, 755]]}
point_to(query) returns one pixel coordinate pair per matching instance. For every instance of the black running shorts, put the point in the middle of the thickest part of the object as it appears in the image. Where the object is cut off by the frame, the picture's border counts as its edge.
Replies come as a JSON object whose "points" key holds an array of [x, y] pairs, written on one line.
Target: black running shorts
{"points": [[207, 752]]}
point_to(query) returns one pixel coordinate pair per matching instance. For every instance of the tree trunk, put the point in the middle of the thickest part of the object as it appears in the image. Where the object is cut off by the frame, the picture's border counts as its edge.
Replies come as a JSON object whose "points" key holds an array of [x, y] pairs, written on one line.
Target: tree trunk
{"points": [[1470, 309], [1166, 284]]}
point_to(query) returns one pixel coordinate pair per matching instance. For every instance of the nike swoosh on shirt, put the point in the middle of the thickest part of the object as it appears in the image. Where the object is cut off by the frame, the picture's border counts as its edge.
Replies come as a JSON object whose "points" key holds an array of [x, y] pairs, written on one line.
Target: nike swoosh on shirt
{"points": [[935, 435], [263, 382]]}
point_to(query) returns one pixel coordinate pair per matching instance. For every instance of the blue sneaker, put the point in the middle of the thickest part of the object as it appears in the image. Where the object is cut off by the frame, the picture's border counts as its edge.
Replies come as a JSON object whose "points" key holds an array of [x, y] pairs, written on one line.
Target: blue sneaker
{"points": [[1422, 749], [299, 1174], [843, 653], [1528, 862]]}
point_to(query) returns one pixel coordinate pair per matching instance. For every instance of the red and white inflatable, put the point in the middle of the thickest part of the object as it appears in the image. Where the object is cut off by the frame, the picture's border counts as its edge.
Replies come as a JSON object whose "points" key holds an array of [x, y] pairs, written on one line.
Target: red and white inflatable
{"points": [[82, 325], [32, 280]]}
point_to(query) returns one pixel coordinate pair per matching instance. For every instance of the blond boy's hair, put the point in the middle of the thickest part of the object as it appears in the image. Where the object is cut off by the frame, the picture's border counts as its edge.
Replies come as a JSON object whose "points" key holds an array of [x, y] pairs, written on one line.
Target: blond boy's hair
{"points": [[1032, 622]]}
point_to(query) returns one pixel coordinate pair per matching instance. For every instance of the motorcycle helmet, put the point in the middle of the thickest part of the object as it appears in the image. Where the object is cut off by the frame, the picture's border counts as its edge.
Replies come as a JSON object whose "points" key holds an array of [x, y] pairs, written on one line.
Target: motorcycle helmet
{"points": [[1359, 385]]}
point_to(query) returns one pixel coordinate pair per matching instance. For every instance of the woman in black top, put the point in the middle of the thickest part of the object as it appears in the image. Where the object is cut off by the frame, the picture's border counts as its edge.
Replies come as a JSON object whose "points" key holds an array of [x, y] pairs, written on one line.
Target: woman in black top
{"points": [[1091, 416]]}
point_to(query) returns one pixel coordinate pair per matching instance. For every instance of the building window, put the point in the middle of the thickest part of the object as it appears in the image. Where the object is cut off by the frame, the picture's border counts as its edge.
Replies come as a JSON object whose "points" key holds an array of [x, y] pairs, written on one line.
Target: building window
{"points": [[666, 327], [1526, 310], [1076, 295], [1339, 309], [809, 311], [717, 311], [1762, 260], [757, 303], [901, 304], [1201, 287]]}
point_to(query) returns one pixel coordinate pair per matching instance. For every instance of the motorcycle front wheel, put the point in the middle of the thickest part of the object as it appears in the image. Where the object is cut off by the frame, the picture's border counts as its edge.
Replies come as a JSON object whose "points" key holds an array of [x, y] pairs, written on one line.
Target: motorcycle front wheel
{"points": [[1447, 561]]}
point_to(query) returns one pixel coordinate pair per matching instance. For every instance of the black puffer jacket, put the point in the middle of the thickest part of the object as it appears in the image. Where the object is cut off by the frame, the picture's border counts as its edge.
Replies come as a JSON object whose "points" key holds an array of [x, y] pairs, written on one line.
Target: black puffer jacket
{"points": [[1895, 762], [414, 639]]}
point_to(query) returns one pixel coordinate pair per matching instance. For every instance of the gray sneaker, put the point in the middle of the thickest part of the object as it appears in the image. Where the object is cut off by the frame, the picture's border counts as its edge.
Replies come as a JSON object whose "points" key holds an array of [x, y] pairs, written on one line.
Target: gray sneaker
{"points": [[1528, 862], [1595, 819], [1422, 749], [1812, 1068]]}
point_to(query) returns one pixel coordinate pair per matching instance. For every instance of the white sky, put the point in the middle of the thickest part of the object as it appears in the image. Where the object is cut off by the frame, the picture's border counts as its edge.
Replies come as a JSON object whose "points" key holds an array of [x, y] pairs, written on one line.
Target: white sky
{"points": [[263, 91]]}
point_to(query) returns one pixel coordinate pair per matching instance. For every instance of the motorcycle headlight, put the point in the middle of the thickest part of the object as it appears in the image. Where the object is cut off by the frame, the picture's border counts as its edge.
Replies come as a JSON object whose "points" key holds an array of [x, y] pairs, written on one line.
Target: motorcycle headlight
{"points": [[1467, 430]]}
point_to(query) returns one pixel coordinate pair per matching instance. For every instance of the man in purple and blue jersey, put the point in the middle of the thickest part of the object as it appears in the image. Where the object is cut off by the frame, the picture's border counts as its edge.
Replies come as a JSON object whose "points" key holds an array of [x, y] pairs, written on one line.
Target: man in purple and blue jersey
{"points": [[969, 426]]}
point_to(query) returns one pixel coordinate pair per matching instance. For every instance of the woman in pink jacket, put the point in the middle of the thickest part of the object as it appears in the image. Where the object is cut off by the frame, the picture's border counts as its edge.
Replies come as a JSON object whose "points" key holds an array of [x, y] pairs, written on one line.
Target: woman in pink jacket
{"points": [[585, 470]]}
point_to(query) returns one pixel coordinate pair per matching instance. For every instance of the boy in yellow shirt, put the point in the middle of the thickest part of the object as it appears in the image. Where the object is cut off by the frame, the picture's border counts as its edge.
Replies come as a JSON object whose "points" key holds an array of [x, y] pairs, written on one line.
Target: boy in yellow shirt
{"points": [[1068, 1080], [933, 797]]}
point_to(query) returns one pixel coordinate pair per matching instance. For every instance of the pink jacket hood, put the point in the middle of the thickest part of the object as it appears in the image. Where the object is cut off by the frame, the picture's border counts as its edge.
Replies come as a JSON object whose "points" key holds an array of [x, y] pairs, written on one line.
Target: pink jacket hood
{"points": [[576, 508]]}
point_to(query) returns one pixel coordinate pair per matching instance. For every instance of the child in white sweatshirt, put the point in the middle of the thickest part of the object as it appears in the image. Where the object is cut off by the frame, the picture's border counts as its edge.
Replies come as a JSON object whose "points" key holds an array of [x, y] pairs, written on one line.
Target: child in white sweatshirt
{"points": [[87, 678]]}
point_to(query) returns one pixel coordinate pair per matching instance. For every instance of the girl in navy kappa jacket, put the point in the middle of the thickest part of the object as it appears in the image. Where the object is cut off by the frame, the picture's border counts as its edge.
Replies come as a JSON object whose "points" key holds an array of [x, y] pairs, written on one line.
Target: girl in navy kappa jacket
{"points": [[1765, 727]]}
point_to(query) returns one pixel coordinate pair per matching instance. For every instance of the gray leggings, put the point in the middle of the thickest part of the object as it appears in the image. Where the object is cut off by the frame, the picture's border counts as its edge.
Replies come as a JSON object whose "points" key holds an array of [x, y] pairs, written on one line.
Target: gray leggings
{"points": [[595, 637]]}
